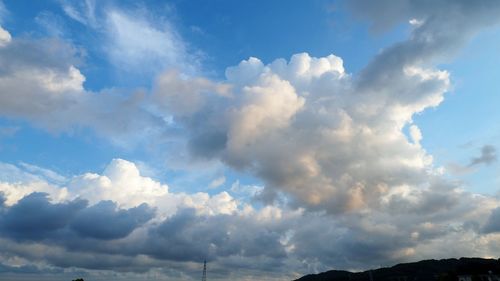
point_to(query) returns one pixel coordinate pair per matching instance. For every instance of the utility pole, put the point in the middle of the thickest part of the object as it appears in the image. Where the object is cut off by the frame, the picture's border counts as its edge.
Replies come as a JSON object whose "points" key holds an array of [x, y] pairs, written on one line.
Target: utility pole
{"points": [[204, 277]]}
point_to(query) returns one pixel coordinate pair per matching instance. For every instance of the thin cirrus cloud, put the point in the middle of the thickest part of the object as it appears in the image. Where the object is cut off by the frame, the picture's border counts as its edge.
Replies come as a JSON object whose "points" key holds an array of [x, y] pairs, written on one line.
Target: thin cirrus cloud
{"points": [[136, 41], [136, 45]]}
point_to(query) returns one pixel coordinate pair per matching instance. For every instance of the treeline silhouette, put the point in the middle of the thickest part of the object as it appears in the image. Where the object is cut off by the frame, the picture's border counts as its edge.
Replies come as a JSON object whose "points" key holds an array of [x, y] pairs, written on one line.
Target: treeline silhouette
{"points": [[427, 270]]}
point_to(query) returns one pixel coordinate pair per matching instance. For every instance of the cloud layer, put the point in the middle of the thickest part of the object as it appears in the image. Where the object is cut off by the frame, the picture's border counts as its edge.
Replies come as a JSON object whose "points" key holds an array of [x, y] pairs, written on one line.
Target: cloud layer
{"points": [[85, 221]]}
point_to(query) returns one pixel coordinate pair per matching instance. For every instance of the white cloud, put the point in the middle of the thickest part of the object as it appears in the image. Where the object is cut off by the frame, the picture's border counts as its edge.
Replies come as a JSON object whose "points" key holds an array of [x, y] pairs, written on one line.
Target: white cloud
{"points": [[17, 182], [137, 41], [49, 92], [120, 182], [217, 182], [5, 37], [81, 11], [415, 134], [137, 44], [309, 130], [416, 22]]}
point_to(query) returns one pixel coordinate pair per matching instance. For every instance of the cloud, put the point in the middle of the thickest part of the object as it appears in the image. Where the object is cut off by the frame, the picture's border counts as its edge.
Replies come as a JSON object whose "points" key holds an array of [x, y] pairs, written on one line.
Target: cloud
{"points": [[385, 14], [137, 44], [487, 157], [3, 12], [101, 228], [50, 94], [137, 41], [93, 228], [217, 182], [5, 37], [493, 223], [50, 91], [34, 217], [327, 139], [188, 237], [282, 119], [120, 182], [104, 221], [83, 12]]}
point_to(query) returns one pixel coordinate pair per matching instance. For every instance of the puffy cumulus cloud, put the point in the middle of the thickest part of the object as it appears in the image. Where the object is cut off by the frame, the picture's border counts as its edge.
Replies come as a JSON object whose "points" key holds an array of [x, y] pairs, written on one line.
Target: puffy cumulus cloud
{"points": [[19, 181], [121, 182], [328, 139], [310, 130]]}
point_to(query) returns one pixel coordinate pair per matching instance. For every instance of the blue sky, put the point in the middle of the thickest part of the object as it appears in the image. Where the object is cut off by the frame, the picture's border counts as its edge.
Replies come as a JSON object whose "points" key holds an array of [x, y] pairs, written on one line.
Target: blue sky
{"points": [[176, 123]]}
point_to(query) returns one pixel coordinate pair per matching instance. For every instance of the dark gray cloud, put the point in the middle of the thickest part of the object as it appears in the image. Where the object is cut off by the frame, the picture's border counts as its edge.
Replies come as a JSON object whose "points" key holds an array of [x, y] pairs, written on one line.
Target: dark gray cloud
{"points": [[487, 157], [190, 237], [493, 223], [259, 244], [28, 269], [105, 221], [384, 14], [35, 218]]}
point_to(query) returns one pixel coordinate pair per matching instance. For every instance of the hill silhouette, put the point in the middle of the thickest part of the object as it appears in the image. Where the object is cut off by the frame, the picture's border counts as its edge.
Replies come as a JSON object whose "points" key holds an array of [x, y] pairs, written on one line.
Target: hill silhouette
{"points": [[426, 270]]}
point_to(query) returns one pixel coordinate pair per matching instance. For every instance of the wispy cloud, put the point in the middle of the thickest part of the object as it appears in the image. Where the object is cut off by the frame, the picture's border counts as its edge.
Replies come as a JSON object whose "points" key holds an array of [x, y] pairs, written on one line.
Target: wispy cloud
{"points": [[137, 44], [217, 182], [488, 156], [81, 11], [137, 41]]}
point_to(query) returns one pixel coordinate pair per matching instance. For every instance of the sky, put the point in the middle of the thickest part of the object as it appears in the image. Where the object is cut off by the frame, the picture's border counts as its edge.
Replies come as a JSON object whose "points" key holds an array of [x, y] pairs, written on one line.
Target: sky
{"points": [[272, 139]]}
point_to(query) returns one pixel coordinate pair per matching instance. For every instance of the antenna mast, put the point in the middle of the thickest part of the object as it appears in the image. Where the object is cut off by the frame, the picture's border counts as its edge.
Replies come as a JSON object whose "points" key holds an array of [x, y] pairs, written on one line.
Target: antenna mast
{"points": [[204, 276]]}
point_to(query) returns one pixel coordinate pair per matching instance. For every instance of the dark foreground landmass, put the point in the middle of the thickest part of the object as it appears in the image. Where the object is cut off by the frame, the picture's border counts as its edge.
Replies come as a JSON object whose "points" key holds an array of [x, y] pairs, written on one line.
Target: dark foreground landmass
{"points": [[463, 269]]}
